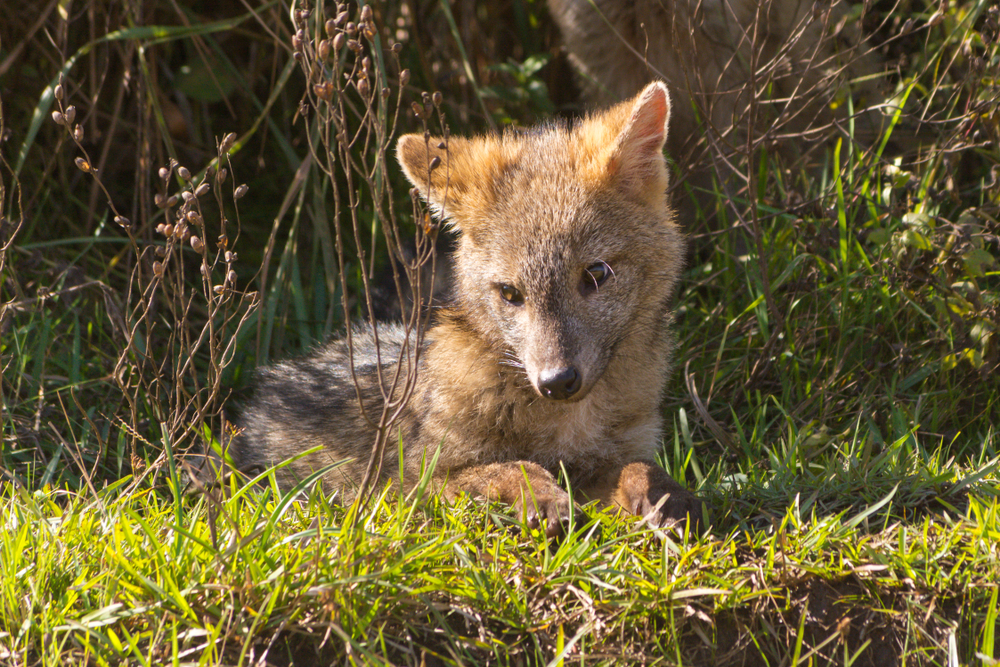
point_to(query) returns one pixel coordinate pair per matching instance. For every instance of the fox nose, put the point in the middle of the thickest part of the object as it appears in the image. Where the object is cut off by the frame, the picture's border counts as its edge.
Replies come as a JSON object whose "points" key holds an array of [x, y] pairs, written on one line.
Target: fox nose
{"points": [[559, 384]]}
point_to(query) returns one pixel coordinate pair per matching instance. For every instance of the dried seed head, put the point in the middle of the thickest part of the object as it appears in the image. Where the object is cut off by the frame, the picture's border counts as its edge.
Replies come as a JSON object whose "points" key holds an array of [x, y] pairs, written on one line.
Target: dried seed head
{"points": [[219, 289], [197, 244], [172, 201], [230, 257], [78, 133], [297, 40], [194, 217], [58, 92], [404, 77], [330, 27], [324, 90], [83, 165], [241, 192], [203, 189], [341, 17], [354, 45], [437, 97], [69, 114], [352, 29], [338, 41], [369, 30], [184, 173], [324, 49], [164, 173], [220, 178], [366, 13], [58, 118], [158, 269], [227, 142], [418, 109]]}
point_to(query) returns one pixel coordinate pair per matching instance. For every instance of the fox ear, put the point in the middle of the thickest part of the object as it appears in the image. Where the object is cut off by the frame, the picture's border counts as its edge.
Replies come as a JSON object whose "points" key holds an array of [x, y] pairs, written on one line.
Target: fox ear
{"points": [[433, 168], [637, 155]]}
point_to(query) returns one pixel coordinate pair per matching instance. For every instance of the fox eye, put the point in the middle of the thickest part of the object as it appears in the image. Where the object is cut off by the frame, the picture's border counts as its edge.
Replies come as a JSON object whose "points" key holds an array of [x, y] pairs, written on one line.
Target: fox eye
{"points": [[595, 275], [511, 294]]}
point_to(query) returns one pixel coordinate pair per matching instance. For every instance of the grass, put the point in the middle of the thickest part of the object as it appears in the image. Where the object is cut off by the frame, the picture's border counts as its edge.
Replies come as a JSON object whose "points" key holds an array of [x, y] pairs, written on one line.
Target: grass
{"points": [[835, 400]]}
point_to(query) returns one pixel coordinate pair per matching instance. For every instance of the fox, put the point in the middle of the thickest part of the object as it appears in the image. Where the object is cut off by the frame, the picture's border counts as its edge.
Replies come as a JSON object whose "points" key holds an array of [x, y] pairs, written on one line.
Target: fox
{"points": [[553, 352], [801, 60]]}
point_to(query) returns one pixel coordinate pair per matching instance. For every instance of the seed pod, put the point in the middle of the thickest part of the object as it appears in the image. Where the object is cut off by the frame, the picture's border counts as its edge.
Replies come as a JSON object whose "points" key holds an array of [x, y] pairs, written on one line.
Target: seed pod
{"points": [[160, 227], [354, 45], [58, 92], [366, 13], [158, 269], [161, 251], [418, 109], [82, 165], [219, 289], [202, 189], [122, 220], [69, 114], [194, 217], [351, 29], [203, 270], [227, 142], [341, 17], [404, 77], [324, 90], [168, 230], [58, 118], [330, 27], [366, 63], [231, 277], [172, 201], [188, 196], [78, 133], [324, 49], [369, 30], [230, 257], [338, 42], [220, 178], [396, 48], [184, 173], [435, 163], [241, 192], [437, 97], [364, 88], [164, 173], [197, 244], [297, 40], [385, 93]]}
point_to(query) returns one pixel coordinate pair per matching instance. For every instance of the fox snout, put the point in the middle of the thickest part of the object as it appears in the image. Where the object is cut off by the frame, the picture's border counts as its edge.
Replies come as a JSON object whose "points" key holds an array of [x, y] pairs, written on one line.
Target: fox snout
{"points": [[559, 384]]}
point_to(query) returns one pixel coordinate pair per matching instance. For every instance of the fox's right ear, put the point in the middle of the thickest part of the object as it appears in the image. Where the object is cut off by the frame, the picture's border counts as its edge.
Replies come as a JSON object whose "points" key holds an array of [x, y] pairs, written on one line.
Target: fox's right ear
{"points": [[435, 166]]}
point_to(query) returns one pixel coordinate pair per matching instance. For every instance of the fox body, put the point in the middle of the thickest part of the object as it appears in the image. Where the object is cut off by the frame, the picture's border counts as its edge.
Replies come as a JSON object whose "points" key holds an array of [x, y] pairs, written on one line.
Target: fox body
{"points": [[554, 351], [718, 56]]}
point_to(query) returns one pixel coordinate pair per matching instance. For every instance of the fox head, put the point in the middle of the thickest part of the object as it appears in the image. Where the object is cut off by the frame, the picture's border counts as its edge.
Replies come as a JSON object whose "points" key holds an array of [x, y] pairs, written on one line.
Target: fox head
{"points": [[567, 251]]}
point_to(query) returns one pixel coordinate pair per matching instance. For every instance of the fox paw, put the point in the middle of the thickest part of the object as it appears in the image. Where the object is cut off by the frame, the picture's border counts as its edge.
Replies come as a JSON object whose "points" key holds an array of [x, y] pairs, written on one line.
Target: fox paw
{"points": [[552, 509], [648, 491]]}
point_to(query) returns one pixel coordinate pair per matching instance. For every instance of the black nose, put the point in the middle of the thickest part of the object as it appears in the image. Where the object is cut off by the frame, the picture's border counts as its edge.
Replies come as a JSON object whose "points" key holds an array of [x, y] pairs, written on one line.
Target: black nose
{"points": [[559, 384]]}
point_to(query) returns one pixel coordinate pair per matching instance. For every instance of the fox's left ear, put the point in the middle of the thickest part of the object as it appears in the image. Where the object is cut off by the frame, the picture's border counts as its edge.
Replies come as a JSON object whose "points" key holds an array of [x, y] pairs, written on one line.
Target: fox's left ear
{"points": [[636, 158]]}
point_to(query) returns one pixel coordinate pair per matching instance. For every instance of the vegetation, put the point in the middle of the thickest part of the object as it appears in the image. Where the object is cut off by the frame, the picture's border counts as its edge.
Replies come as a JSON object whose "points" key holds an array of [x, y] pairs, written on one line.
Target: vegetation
{"points": [[182, 198]]}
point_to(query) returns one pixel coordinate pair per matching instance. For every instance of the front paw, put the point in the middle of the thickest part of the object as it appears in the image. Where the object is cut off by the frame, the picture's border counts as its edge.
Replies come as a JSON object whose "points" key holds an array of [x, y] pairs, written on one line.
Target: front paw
{"points": [[646, 490], [550, 508]]}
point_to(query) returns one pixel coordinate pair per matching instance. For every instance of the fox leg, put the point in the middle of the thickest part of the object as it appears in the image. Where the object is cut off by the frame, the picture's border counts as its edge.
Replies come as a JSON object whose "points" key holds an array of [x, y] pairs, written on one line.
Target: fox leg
{"points": [[639, 487], [528, 488]]}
